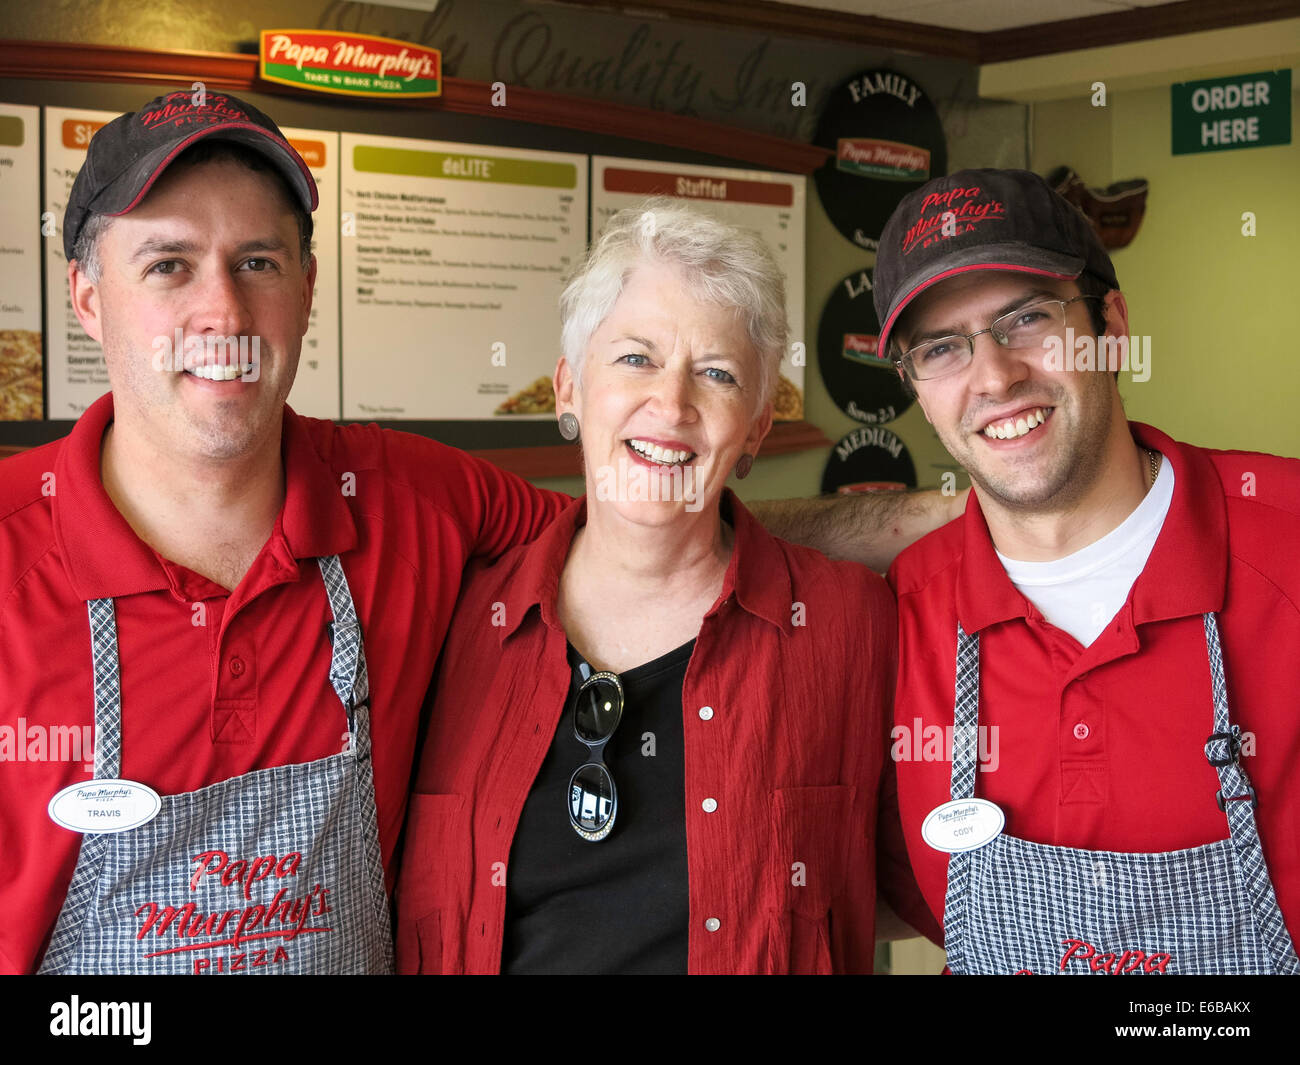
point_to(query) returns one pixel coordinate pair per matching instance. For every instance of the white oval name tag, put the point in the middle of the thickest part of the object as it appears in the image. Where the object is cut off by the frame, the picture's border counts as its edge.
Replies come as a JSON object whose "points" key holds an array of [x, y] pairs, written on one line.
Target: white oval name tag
{"points": [[962, 824], [104, 806]]}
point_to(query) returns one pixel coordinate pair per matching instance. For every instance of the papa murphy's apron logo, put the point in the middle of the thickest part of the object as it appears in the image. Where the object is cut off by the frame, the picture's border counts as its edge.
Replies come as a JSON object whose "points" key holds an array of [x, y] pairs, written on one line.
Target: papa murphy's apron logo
{"points": [[354, 64], [950, 214], [244, 927], [888, 160], [1130, 961]]}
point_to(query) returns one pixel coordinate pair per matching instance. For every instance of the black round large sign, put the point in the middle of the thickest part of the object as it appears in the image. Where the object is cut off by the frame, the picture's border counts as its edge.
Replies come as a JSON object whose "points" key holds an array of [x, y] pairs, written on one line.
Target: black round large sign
{"points": [[862, 382], [887, 139], [869, 457]]}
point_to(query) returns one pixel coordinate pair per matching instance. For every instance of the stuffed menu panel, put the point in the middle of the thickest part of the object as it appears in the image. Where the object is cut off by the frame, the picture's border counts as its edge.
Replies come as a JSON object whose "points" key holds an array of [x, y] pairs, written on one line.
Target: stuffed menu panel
{"points": [[453, 258], [770, 203]]}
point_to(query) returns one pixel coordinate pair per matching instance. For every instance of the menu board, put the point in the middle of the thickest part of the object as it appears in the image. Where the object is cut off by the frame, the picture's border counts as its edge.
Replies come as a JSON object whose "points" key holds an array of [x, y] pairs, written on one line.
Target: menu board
{"points": [[315, 390], [21, 376], [771, 203], [78, 376], [454, 256]]}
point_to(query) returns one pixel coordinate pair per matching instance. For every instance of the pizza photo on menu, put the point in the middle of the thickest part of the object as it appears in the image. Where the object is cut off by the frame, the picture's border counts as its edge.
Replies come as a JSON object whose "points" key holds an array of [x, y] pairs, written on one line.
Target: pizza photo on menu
{"points": [[787, 405], [21, 383], [537, 398]]}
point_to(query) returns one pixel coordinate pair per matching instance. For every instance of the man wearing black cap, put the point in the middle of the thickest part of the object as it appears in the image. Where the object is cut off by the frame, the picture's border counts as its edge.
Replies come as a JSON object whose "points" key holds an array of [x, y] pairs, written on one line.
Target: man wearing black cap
{"points": [[237, 603], [240, 604], [1116, 616]]}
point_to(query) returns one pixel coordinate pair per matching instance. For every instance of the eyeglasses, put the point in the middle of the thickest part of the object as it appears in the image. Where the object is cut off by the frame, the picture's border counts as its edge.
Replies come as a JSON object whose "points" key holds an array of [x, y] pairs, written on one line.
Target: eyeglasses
{"points": [[1025, 327], [593, 799]]}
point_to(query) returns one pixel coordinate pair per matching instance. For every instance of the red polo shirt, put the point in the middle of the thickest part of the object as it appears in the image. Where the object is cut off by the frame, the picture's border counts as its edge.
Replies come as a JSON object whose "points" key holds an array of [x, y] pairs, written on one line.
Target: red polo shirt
{"points": [[1102, 747], [784, 709], [215, 683]]}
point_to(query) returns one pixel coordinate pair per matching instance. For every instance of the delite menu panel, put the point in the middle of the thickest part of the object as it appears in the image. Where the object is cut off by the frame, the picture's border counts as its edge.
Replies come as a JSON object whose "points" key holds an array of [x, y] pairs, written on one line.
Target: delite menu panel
{"points": [[453, 258], [773, 204], [21, 386]]}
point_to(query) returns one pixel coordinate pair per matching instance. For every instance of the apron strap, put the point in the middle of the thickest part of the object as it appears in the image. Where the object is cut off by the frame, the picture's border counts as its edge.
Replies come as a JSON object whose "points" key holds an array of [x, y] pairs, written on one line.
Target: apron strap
{"points": [[108, 689], [348, 674], [964, 751], [108, 766], [1237, 800]]}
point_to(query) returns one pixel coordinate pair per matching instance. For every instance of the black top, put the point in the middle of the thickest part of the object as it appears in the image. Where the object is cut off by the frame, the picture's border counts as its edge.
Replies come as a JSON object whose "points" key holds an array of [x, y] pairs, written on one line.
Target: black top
{"points": [[620, 905]]}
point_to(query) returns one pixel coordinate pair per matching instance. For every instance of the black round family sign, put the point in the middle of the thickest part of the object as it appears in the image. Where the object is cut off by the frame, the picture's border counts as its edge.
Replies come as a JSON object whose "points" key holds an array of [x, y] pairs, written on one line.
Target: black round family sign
{"points": [[887, 139], [869, 458], [863, 383]]}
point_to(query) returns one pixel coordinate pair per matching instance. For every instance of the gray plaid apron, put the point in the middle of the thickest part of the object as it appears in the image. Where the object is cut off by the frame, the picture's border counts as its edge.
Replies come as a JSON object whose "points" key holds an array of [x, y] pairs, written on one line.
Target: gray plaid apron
{"points": [[275, 871], [1015, 906]]}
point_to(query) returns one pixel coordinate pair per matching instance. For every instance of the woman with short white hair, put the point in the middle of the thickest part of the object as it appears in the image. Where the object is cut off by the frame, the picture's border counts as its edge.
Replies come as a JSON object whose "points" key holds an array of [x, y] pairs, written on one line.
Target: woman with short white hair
{"points": [[658, 731]]}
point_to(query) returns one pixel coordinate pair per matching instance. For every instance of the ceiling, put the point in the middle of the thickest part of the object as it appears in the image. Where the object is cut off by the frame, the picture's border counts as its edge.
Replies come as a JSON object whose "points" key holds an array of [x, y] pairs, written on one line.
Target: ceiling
{"points": [[979, 31], [979, 16]]}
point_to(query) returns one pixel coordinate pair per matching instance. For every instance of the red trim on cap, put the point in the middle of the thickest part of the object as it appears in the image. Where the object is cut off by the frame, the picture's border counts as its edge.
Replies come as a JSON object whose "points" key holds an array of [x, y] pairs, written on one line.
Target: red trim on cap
{"points": [[208, 132], [889, 324]]}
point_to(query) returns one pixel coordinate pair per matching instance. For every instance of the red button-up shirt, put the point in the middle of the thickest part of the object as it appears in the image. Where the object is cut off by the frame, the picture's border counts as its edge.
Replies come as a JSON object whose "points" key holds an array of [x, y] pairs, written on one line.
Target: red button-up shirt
{"points": [[1103, 747], [216, 684], [784, 710]]}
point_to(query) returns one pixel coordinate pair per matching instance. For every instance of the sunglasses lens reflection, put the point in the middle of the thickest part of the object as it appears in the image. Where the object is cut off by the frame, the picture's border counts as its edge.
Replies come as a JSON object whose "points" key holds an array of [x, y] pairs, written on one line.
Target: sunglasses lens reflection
{"points": [[591, 797]]}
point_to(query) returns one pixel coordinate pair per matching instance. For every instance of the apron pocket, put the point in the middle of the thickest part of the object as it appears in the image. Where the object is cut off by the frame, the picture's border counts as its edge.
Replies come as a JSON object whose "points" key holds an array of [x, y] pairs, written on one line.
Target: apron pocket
{"points": [[432, 885], [807, 871]]}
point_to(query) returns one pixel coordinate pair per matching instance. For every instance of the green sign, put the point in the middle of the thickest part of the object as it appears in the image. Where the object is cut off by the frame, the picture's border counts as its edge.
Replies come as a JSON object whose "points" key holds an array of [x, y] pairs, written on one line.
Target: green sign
{"points": [[1221, 114], [501, 170]]}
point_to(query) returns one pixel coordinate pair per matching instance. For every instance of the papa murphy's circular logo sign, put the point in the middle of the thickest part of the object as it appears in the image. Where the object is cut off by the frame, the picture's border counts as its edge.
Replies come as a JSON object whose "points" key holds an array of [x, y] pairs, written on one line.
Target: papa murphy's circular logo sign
{"points": [[869, 458], [887, 139], [863, 382]]}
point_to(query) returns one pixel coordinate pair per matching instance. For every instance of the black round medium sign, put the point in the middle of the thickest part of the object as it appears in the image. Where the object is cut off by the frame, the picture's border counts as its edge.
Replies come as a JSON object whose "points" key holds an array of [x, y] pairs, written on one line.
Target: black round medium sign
{"points": [[863, 383], [887, 139], [869, 458]]}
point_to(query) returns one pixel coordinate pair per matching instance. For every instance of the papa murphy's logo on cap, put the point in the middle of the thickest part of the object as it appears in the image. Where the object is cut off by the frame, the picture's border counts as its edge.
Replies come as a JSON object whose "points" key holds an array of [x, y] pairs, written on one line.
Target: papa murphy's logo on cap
{"points": [[950, 213], [183, 109], [354, 64], [888, 160]]}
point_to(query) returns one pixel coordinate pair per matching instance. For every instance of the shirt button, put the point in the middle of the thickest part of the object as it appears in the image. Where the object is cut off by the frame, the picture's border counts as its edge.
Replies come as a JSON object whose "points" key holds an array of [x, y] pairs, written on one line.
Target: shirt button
{"points": [[706, 713], [712, 924], [1081, 731], [709, 805], [237, 666]]}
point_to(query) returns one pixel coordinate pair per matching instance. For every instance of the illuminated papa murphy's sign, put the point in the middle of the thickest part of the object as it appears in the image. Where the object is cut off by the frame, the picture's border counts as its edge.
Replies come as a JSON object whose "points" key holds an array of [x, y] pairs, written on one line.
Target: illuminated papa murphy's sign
{"points": [[353, 64]]}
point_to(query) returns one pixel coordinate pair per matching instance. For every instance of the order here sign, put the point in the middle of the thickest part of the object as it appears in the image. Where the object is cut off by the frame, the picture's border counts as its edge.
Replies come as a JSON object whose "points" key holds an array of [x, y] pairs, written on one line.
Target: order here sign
{"points": [[1220, 114]]}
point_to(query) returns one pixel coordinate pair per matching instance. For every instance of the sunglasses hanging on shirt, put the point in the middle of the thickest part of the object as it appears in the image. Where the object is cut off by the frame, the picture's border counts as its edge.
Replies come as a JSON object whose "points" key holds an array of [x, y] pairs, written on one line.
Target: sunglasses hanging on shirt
{"points": [[593, 798]]}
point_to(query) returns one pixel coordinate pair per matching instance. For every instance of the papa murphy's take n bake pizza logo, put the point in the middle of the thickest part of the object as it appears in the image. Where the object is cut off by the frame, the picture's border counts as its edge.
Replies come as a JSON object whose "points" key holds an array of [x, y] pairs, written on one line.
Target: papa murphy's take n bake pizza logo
{"points": [[247, 935], [888, 160], [951, 213], [354, 64]]}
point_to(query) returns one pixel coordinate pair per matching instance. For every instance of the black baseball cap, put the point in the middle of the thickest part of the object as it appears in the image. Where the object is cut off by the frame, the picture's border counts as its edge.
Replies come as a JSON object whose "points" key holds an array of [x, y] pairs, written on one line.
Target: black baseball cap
{"points": [[127, 155], [981, 220]]}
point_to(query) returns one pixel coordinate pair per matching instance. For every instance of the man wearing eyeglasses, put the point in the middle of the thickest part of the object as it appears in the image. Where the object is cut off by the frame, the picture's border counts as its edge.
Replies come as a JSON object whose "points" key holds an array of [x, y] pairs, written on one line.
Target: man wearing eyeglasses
{"points": [[1115, 615]]}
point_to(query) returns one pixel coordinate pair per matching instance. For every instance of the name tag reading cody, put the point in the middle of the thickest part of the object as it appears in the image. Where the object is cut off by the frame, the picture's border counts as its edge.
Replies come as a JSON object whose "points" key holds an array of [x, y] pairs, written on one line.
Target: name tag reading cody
{"points": [[962, 825], [104, 806]]}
